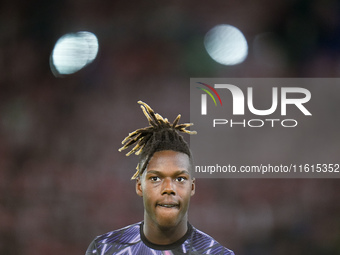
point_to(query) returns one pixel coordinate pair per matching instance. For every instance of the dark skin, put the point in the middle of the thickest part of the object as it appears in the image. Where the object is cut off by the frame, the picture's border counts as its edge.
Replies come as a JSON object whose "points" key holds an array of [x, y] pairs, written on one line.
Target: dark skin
{"points": [[166, 187]]}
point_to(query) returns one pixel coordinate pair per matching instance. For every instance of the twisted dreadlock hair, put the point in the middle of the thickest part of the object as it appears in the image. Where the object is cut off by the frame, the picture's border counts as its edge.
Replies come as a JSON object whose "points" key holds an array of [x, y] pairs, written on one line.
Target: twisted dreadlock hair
{"points": [[159, 136]]}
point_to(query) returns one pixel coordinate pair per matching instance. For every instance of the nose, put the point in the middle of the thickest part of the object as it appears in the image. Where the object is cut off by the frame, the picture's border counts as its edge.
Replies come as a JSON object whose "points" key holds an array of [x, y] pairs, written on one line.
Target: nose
{"points": [[168, 187]]}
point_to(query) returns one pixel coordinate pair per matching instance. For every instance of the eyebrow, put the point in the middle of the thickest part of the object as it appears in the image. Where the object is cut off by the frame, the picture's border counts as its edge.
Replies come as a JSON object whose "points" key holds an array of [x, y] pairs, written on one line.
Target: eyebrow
{"points": [[161, 173]]}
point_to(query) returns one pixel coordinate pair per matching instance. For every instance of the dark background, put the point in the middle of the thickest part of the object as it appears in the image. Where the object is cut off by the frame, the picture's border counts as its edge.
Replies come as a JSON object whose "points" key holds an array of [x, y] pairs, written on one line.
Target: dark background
{"points": [[62, 180]]}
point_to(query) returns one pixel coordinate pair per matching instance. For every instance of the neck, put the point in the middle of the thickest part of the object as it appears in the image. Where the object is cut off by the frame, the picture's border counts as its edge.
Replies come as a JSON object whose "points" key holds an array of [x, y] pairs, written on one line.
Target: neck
{"points": [[164, 235]]}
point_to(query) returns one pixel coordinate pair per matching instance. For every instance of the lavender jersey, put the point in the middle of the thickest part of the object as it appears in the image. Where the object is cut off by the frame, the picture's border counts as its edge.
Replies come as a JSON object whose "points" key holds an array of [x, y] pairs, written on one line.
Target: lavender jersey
{"points": [[131, 240]]}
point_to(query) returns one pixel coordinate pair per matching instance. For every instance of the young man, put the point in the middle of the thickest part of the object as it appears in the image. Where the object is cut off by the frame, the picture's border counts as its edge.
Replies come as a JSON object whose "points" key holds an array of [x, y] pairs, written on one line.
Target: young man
{"points": [[164, 181]]}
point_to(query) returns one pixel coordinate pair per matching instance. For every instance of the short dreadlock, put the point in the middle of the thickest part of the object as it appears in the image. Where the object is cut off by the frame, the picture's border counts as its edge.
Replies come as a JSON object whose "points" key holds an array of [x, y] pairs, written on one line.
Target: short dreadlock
{"points": [[159, 136]]}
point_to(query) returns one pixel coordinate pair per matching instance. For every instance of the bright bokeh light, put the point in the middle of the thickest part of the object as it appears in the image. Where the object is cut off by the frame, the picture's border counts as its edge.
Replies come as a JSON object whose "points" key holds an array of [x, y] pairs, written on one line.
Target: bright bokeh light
{"points": [[73, 52], [226, 45]]}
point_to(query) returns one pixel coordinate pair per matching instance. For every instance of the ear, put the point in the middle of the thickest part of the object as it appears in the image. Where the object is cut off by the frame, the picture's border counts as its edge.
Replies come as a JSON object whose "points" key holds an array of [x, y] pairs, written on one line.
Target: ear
{"points": [[193, 186], [139, 189]]}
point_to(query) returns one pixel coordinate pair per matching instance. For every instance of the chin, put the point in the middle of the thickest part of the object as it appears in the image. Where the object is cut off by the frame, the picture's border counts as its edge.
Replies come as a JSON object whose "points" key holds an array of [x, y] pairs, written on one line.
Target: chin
{"points": [[168, 222]]}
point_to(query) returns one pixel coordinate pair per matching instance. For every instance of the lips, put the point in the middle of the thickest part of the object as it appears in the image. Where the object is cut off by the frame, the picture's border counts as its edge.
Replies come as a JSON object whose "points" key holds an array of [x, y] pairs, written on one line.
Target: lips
{"points": [[168, 205]]}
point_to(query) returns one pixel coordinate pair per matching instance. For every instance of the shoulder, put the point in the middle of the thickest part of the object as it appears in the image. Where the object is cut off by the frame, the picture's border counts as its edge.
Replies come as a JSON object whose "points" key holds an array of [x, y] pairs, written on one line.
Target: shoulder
{"points": [[204, 242], [126, 234], [116, 240]]}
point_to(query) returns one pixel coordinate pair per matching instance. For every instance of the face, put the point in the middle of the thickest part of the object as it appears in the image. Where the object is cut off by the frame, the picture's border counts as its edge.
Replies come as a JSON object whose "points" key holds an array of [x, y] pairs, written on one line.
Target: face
{"points": [[166, 187]]}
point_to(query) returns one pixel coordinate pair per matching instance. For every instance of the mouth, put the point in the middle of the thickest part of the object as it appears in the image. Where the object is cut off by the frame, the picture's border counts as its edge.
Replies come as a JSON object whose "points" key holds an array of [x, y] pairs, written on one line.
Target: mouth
{"points": [[168, 205]]}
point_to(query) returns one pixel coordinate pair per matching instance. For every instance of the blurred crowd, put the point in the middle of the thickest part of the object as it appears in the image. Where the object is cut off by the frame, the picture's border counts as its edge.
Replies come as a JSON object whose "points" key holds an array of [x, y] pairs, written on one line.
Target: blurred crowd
{"points": [[62, 179]]}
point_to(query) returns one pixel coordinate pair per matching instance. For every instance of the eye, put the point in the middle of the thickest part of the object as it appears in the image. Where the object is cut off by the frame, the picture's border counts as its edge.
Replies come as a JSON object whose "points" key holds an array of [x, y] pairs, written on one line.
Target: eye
{"points": [[154, 178], [181, 179]]}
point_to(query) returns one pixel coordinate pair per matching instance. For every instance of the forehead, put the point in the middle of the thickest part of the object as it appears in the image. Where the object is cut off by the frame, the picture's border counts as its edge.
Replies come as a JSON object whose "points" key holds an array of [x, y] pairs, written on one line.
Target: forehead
{"points": [[167, 160]]}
